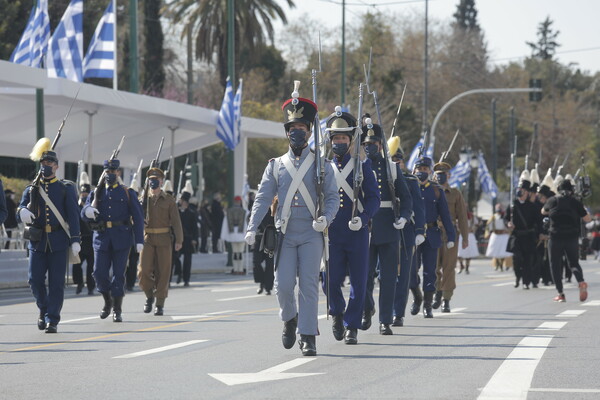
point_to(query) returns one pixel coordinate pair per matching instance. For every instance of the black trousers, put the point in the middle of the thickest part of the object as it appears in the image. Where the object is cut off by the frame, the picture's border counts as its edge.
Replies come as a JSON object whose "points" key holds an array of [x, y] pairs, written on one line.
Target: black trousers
{"points": [[264, 277], [186, 269], [131, 271], [523, 260], [88, 258], [569, 246]]}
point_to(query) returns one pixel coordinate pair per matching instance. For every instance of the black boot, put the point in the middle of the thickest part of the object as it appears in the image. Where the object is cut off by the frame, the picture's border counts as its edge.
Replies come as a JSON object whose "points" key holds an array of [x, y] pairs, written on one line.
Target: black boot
{"points": [[260, 290], [350, 336], [446, 306], [41, 322], [308, 345], [428, 298], [118, 302], [107, 305], [417, 300], [366, 319], [148, 305], [288, 337], [338, 327], [398, 321], [437, 300]]}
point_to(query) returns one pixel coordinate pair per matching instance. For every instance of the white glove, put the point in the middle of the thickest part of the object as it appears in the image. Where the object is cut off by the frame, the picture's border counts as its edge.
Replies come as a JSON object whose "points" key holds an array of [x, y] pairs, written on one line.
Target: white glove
{"points": [[250, 238], [449, 245], [400, 223], [320, 224], [91, 213], [139, 247], [590, 225], [355, 224], [75, 248], [419, 239], [26, 216]]}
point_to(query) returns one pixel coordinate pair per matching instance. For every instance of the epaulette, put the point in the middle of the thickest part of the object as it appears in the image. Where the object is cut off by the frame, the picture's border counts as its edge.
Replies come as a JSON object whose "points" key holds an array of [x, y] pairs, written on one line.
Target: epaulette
{"points": [[67, 182], [409, 176]]}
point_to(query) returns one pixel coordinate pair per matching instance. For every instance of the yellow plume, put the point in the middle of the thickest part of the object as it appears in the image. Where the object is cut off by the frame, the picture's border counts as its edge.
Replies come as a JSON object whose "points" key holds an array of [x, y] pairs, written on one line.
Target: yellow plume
{"points": [[40, 148], [393, 145]]}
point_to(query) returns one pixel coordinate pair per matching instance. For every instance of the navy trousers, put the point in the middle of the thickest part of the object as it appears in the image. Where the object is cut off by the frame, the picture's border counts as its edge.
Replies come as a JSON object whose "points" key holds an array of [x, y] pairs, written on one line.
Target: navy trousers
{"points": [[49, 301]]}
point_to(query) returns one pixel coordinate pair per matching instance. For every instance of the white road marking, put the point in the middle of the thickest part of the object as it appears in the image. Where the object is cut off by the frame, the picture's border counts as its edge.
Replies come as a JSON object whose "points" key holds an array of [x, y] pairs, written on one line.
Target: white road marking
{"points": [[513, 379], [232, 289], [570, 313], [593, 303], [240, 298], [454, 311], [270, 374], [551, 326], [208, 315], [161, 349], [565, 390], [80, 319], [504, 284]]}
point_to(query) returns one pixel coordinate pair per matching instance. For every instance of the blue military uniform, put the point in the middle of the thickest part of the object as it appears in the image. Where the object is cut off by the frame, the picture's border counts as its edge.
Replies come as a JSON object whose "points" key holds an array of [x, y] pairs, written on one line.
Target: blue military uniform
{"points": [[436, 208], [301, 246], [3, 211], [349, 249], [385, 238], [48, 255], [114, 234]]}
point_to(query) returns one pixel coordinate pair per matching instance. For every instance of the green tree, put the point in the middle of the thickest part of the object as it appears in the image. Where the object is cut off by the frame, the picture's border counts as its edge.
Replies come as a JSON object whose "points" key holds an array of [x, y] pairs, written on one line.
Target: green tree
{"points": [[466, 16], [12, 24], [546, 45], [153, 78], [208, 19]]}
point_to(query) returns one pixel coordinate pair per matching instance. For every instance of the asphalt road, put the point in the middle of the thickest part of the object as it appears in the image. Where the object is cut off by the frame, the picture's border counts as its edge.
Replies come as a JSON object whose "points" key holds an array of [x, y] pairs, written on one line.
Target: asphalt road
{"points": [[218, 339]]}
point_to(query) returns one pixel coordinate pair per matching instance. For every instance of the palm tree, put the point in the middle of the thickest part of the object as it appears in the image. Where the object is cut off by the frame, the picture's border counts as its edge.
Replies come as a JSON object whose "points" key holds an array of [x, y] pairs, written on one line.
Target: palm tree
{"points": [[208, 21]]}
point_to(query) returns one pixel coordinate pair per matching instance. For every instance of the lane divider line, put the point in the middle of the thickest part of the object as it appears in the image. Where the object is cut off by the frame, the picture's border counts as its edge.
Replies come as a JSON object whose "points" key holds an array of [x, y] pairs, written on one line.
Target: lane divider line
{"points": [[161, 349]]}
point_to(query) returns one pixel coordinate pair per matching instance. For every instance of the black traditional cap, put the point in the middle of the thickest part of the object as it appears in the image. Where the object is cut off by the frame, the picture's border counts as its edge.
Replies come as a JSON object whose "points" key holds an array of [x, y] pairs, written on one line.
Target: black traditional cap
{"points": [[185, 196], [49, 156], [298, 109], [85, 188], [424, 162], [370, 132], [111, 164], [341, 122], [565, 185]]}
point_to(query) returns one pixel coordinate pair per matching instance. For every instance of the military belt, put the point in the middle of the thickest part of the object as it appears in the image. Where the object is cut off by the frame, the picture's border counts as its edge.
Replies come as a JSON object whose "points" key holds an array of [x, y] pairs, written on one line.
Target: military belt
{"points": [[431, 224], [112, 224], [52, 228], [158, 230], [385, 204]]}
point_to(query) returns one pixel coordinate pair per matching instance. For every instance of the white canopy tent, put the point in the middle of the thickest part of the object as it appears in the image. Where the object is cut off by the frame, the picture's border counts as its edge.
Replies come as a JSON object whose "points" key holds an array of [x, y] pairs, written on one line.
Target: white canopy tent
{"points": [[101, 116]]}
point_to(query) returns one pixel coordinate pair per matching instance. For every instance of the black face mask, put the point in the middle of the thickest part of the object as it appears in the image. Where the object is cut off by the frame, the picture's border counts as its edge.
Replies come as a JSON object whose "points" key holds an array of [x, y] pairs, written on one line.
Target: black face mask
{"points": [[441, 178], [47, 170], [297, 138], [372, 151], [111, 178], [154, 183], [422, 176], [339, 149]]}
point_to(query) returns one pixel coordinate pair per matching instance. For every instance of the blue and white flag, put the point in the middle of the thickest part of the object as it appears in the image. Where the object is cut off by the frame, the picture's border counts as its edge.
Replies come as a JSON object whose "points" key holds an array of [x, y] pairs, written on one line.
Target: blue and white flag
{"points": [[485, 179], [410, 165], [229, 118], [65, 49], [100, 59], [34, 41], [460, 174]]}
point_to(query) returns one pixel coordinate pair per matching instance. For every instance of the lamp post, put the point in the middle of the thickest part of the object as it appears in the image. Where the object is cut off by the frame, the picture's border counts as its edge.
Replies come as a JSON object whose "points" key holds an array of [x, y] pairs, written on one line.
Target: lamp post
{"points": [[473, 192]]}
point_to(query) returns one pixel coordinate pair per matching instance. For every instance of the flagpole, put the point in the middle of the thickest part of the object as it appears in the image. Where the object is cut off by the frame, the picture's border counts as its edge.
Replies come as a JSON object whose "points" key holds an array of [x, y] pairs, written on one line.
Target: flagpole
{"points": [[114, 7]]}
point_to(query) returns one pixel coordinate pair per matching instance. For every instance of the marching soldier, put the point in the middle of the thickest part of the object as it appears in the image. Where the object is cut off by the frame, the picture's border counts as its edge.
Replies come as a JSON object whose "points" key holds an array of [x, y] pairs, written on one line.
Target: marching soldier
{"points": [[292, 178], [385, 232], [154, 270], [538, 254], [523, 220], [114, 232], [349, 240], [436, 208], [447, 257], [190, 235], [414, 234], [54, 205], [566, 213], [87, 251]]}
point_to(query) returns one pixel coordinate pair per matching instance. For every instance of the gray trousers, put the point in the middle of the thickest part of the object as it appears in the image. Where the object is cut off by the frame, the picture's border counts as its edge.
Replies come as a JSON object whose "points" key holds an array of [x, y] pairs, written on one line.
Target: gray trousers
{"points": [[300, 257]]}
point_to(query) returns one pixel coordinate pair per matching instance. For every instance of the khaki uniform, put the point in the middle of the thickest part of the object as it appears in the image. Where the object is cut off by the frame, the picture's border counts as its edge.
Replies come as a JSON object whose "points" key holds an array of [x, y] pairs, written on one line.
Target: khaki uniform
{"points": [[154, 270], [446, 264]]}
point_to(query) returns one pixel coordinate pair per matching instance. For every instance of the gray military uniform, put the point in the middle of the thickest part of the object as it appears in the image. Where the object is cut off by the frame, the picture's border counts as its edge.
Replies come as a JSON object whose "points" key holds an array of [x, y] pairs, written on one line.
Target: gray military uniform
{"points": [[302, 246]]}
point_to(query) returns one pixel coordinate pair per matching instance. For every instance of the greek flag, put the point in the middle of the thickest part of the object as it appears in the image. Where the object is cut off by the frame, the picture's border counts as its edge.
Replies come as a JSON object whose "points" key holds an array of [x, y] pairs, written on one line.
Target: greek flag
{"points": [[228, 122], [412, 160], [460, 174], [311, 140], [100, 60], [34, 41], [65, 49], [485, 179]]}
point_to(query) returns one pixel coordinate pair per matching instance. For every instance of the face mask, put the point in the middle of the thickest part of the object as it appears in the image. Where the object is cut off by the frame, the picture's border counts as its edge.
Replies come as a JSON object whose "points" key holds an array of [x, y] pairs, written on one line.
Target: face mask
{"points": [[111, 178], [441, 178], [154, 183], [372, 151], [339, 149], [297, 138], [422, 176], [47, 170]]}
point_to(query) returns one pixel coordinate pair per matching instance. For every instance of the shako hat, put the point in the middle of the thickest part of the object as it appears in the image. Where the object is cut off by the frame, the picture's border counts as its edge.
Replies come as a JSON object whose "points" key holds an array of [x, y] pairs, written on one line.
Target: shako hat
{"points": [[547, 186], [298, 109], [424, 161], [370, 132], [442, 166], [341, 122]]}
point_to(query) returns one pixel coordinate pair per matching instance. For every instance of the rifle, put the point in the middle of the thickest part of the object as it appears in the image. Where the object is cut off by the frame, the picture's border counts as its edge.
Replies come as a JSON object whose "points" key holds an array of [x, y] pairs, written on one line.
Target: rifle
{"points": [[358, 176], [33, 192], [153, 164], [136, 177], [101, 181], [80, 165], [398, 112], [445, 153], [181, 175], [169, 165]]}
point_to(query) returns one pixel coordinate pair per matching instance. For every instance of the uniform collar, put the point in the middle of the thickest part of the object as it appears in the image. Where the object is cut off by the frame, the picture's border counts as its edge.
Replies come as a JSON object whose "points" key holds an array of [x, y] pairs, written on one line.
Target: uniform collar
{"points": [[345, 158], [426, 184], [303, 155], [48, 181], [160, 194], [114, 186]]}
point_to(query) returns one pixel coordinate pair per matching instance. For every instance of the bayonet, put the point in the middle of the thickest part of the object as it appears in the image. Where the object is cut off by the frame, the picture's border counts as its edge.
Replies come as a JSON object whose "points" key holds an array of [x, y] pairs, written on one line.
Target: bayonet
{"points": [[445, 153]]}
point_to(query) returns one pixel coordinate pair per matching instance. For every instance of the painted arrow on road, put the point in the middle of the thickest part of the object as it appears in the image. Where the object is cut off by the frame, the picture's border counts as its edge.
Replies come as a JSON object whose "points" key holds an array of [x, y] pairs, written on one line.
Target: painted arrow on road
{"points": [[275, 373]]}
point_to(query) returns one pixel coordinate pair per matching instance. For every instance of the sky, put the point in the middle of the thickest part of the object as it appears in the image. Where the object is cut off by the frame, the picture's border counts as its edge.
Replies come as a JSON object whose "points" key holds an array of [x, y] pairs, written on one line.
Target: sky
{"points": [[507, 24]]}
